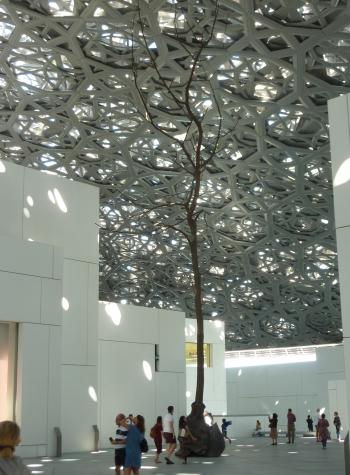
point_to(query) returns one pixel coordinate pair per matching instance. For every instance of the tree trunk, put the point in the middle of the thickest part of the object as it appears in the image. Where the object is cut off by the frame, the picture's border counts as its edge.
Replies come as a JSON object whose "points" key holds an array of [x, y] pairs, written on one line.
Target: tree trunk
{"points": [[207, 441]]}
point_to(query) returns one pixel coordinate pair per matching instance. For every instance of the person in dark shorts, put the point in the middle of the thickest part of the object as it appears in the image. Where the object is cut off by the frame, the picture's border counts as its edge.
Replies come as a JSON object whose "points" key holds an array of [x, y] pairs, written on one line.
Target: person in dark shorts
{"points": [[169, 433], [119, 442], [224, 427]]}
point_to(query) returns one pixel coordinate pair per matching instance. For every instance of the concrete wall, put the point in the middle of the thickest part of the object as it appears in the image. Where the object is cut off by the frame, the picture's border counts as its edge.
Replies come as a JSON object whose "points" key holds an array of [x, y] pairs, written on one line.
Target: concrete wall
{"points": [[215, 376], [255, 392], [339, 122], [128, 380], [49, 250]]}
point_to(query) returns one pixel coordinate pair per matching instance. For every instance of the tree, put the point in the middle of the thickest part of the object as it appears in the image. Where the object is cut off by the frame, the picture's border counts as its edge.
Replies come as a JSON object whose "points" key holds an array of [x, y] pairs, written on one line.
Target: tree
{"points": [[177, 98]]}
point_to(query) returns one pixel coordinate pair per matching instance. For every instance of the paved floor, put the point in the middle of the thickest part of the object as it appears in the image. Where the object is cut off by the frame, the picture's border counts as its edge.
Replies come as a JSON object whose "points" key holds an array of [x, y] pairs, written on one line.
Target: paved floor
{"points": [[242, 457]]}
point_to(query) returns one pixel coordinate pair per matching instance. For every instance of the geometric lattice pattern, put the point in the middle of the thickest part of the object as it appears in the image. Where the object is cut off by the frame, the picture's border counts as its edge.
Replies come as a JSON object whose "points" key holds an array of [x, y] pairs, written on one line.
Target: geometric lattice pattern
{"points": [[68, 104]]}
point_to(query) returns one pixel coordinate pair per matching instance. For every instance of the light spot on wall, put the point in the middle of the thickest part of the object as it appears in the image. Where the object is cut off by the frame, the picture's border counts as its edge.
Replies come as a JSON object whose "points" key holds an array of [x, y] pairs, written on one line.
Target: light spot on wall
{"points": [[113, 311], [343, 174], [30, 239], [30, 201], [188, 394], [123, 302], [239, 372], [65, 304], [26, 213], [277, 402], [60, 201], [218, 323], [2, 167], [322, 410], [51, 197], [222, 336], [92, 393], [147, 370]]}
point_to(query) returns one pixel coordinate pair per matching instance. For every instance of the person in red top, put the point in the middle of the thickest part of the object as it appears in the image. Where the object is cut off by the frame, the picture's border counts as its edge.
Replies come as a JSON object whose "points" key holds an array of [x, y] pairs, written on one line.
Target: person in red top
{"points": [[156, 434], [291, 426]]}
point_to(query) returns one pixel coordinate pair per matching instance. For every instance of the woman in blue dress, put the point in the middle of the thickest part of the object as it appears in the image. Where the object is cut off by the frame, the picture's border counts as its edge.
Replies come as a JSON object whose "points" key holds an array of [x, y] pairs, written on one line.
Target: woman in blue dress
{"points": [[136, 433]]}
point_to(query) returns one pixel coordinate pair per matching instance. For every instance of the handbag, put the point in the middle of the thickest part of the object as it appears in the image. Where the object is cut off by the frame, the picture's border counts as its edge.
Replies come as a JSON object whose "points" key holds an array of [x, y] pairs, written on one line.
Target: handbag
{"points": [[144, 446]]}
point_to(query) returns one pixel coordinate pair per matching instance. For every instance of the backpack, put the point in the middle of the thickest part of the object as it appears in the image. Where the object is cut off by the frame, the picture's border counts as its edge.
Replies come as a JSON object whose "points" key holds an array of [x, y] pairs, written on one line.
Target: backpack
{"points": [[144, 446]]}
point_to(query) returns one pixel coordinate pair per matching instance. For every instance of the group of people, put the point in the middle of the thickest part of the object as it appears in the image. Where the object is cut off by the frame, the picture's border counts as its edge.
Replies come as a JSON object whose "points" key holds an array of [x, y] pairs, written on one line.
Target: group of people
{"points": [[130, 434], [322, 425]]}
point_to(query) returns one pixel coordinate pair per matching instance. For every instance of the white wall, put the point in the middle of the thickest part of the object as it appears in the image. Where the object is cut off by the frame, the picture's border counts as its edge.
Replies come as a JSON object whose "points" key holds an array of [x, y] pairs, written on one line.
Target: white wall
{"points": [[260, 391], [214, 377], [339, 122], [124, 347], [49, 248]]}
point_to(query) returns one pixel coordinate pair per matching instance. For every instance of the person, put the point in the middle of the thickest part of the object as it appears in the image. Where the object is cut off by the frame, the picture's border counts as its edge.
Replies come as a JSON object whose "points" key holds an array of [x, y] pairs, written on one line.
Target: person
{"points": [[310, 423], [169, 434], [136, 432], [224, 427], [323, 430], [208, 418], [258, 430], [183, 436], [337, 423], [273, 421], [291, 426], [129, 419], [317, 419], [156, 434], [9, 439], [119, 442]]}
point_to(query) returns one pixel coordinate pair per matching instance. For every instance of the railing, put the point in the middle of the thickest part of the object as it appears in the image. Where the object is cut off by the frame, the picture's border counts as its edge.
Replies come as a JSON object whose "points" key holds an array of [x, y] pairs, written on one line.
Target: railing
{"points": [[58, 435]]}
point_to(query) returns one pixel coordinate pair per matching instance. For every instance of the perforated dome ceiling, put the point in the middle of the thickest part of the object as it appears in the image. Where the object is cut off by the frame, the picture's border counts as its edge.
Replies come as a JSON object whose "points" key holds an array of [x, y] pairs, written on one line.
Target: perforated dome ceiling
{"points": [[69, 105]]}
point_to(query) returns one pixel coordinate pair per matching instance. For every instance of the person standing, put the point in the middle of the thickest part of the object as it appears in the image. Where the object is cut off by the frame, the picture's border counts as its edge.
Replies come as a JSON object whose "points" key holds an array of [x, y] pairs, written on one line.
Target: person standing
{"points": [[136, 433], [119, 442], [169, 434], [337, 423], [323, 430], [291, 426], [10, 464], [310, 423], [273, 421]]}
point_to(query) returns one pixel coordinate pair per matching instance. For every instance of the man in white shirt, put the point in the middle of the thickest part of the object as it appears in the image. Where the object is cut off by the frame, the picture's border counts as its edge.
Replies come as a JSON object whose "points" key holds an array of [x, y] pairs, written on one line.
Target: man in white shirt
{"points": [[169, 434]]}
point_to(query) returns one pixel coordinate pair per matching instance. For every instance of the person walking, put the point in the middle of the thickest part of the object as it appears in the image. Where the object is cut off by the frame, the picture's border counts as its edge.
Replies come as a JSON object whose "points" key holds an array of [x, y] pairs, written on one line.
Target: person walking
{"points": [[291, 426], [317, 419], [273, 422], [337, 423], [323, 430], [169, 434], [184, 437], [156, 434], [136, 433], [224, 427]]}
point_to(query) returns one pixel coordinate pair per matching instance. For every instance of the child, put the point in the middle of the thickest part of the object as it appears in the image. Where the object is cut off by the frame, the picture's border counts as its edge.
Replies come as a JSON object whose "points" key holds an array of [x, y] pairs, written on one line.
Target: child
{"points": [[9, 439], [310, 423], [156, 434], [224, 427], [183, 437], [119, 443]]}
